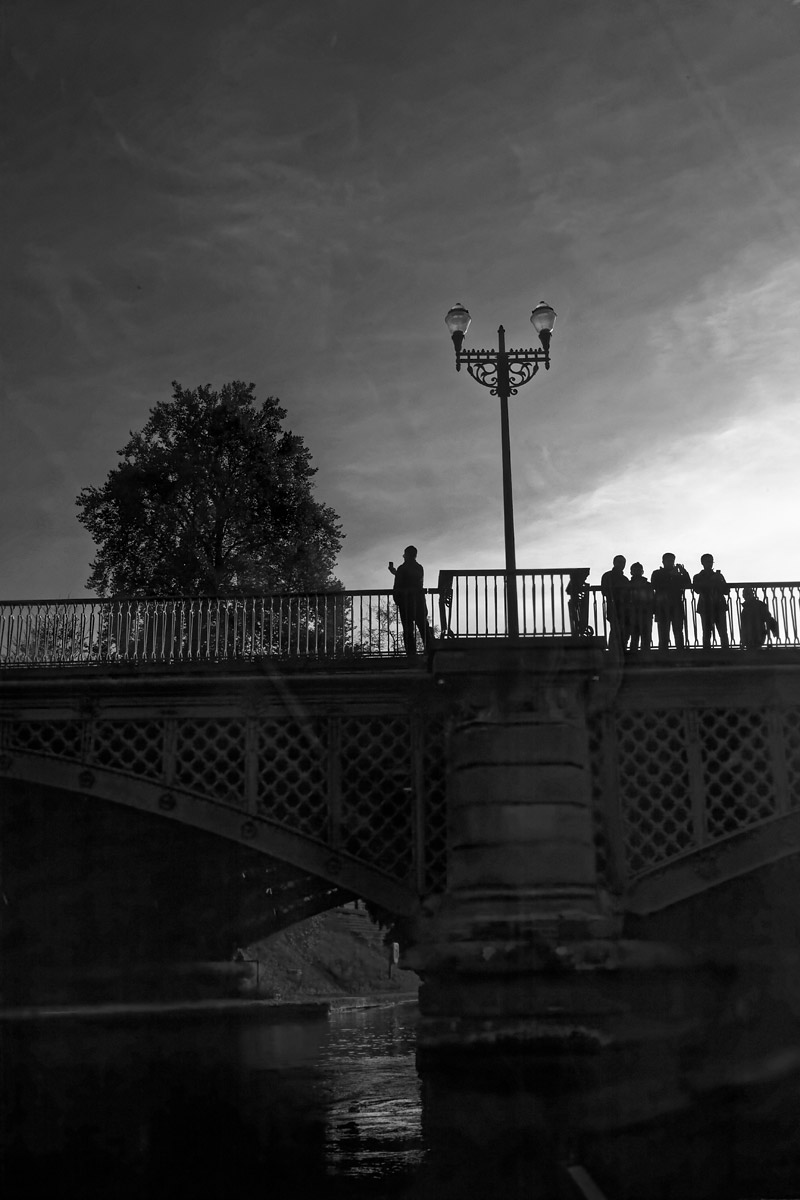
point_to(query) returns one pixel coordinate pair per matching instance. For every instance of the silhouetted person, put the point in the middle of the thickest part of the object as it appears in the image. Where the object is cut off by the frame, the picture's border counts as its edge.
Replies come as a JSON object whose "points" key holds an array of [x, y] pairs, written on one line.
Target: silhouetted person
{"points": [[445, 589], [409, 596], [670, 581], [641, 607], [712, 601], [578, 604], [756, 621], [614, 585]]}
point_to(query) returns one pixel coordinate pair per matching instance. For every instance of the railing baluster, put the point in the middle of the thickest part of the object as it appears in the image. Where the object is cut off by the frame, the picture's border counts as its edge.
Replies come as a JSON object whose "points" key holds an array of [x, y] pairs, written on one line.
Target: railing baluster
{"points": [[32, 627], [40, 645], [324, 619], [187, 630], [144, 623], [5, 643], [537, 604], [552, 613], [60, 641], [134, 620], [119, 644], [163, 649], [370, 634], [790, 622]]}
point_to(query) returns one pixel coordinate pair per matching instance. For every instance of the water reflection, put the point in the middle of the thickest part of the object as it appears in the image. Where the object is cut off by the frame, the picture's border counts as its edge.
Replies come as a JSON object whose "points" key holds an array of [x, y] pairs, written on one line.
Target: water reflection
{"points": [[373, 1127], [204, 1108], [333, 1109]]}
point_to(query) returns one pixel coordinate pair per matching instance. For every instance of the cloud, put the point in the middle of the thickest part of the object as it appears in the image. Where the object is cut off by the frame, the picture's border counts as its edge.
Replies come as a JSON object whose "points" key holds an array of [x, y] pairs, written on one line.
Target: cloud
{"points": [[734, 492], [743, 314], [71, 290], [296, 195]]}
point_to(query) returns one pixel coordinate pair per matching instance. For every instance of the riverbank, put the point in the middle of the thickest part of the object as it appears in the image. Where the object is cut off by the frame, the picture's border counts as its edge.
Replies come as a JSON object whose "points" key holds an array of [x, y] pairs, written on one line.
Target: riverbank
{"points": [[337, 953], [335, 961]]}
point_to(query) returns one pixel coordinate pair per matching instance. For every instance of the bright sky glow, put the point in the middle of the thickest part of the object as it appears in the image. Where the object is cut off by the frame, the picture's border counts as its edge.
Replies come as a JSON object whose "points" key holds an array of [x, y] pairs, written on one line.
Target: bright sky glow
{"points": [[295, 194]]}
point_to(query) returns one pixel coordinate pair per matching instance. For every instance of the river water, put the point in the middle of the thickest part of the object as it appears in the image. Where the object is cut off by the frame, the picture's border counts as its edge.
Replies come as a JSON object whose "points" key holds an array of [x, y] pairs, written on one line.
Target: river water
{"points": [[211, 1108], [250, 1106]]}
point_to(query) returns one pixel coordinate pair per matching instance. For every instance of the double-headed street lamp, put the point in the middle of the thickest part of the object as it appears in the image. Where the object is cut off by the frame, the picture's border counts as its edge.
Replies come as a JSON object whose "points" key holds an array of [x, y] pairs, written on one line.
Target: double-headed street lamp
{"points": [[504, 372]]}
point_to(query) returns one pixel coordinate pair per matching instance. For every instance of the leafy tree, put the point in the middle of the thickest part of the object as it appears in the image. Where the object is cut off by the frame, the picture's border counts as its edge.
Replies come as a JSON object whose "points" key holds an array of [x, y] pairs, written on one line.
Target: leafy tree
{"points": [[213, 496]]}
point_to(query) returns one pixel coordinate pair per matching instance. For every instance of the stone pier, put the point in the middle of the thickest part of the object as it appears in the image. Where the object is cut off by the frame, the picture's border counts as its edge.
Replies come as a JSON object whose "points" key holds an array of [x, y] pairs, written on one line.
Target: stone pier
{"points": [[522, 898], [531, 993]]}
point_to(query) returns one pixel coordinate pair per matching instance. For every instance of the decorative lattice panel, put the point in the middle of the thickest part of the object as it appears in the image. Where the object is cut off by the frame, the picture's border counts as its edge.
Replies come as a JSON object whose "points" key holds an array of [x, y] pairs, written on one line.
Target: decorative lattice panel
{"points": [[133, 746], [60, 738], [377, 792], [790, 728], [434, 781], [293, 775], [737, 769], [211, 758], [654, 786]]}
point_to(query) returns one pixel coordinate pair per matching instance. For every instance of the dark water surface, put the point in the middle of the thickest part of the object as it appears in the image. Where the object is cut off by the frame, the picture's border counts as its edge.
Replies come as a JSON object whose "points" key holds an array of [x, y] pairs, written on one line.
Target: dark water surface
{"points": [[211, 1107], [249, 1106]]}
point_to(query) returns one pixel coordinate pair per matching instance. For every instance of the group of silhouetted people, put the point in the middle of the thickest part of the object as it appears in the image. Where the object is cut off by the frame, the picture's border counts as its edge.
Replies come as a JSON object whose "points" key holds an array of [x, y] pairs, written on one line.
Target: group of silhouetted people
{"points": [[632, 603]]}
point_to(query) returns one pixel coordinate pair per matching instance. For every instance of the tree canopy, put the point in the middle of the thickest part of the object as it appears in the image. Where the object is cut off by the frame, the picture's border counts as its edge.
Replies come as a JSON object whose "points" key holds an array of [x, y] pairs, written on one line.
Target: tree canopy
{"points": [[212, 496]]}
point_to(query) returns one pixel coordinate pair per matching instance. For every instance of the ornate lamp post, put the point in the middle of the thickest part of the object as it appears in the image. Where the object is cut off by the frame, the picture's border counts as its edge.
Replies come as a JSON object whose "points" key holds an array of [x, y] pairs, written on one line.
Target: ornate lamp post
{"points": [[504, 372]]}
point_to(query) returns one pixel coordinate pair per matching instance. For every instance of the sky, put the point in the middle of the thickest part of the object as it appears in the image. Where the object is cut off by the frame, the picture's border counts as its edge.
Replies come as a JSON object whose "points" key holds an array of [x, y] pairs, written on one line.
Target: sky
{"points": [[295, 193]]}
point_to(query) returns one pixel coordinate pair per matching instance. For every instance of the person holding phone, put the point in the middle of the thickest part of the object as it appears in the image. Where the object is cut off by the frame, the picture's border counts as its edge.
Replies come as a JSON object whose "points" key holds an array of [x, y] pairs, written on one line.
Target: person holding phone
{"points": [[670, 581], [409, 596], [712, 591]]}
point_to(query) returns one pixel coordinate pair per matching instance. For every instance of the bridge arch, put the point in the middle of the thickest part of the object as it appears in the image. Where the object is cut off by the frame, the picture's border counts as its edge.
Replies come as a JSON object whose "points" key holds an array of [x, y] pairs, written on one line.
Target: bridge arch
{"points": [[341, 778], [695, 873], [335, 865]]}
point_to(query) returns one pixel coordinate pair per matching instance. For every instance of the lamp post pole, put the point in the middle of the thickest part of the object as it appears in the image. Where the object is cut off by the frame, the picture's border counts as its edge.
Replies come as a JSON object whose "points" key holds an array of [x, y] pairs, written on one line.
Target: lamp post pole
{"points": [[503, 392], [504, 372]]}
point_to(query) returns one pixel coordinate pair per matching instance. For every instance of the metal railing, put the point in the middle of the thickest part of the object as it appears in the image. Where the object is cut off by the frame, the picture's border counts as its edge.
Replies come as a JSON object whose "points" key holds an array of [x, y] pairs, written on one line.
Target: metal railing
{"points": [[330, 625], [321, 625], [478, 604], [782, 601]]}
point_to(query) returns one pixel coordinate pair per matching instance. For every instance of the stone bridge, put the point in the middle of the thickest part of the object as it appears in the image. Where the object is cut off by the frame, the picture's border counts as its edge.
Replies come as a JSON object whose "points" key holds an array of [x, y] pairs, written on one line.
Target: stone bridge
{"points": [[340, 773], [590, 858]]}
